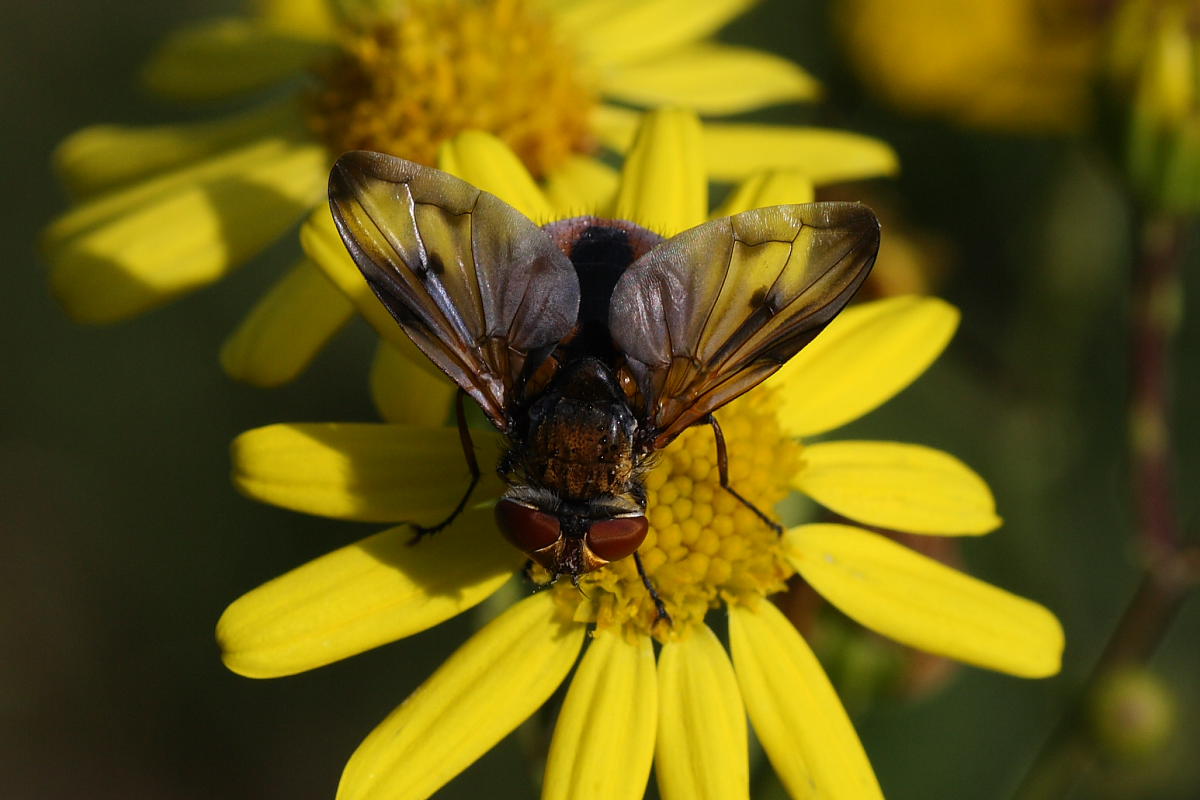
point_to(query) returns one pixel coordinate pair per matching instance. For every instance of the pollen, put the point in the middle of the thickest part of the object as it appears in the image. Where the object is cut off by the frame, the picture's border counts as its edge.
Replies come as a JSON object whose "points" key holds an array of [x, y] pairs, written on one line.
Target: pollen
{"points": [[704, 547], [407, 82]]}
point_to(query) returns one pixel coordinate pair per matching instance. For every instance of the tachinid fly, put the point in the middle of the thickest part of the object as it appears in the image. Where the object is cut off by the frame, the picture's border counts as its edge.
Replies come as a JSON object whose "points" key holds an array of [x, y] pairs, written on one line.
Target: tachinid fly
{"points": [[591, 343]]}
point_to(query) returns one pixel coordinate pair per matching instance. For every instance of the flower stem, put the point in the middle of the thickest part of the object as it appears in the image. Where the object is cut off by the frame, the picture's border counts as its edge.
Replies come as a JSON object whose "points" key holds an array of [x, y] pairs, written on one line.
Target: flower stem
{"points": [[1170, 568]]}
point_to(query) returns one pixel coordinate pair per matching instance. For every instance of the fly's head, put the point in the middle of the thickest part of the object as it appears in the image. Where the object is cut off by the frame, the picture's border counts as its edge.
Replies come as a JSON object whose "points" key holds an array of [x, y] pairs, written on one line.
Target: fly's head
{"points": [[571, 538]]}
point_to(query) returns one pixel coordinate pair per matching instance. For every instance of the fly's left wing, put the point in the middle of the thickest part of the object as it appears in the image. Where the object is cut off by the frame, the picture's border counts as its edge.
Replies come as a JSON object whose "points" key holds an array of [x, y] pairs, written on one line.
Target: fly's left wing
{"points": [[713, 311], [474, 283]]}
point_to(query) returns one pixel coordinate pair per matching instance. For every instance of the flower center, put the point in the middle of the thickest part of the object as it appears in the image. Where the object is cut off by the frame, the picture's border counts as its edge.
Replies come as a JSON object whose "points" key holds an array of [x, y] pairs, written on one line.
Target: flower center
{"points": [[405, 83], [704, 546]]}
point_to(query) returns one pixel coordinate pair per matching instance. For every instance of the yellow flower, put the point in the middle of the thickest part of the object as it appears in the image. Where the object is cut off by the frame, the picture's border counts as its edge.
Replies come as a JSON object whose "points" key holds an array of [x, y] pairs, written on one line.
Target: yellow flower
{"points": [[1154, 68], [167, 209], [685, 710], [1018, 65]]}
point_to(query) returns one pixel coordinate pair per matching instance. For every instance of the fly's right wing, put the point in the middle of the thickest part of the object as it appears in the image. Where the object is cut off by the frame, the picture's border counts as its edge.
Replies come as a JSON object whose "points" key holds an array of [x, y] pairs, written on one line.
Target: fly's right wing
{"points": [[474, 283], [712, 312]]}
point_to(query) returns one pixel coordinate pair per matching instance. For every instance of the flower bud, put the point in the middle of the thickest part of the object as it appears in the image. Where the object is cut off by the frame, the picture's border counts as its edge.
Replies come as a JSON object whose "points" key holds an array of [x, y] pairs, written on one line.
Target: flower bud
{"points": [[1154, 65], [1132, 714]]}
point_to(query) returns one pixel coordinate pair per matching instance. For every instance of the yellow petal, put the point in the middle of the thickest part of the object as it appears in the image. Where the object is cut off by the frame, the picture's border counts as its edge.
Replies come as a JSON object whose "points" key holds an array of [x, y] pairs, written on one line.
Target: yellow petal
{"points": [[484, 161], [228, 56], [102, 157], [922, 603], [902, 487], [604, 739], [286, 328], [710, 78], [615, 126], [121, 257], [663, 185], [321, 242], [864, 358], [364, 595], [619, 31], [701, 751], [488, 687], [583, 185], [312, 18], [735, 150], [405, 392], [795, 712], [765, 189], [112, 205], [360, 471]]}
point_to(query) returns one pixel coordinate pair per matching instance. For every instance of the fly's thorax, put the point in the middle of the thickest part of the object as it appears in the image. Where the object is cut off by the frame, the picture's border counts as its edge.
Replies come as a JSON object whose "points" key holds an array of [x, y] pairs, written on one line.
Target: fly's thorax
{"points": [[581, 435]]}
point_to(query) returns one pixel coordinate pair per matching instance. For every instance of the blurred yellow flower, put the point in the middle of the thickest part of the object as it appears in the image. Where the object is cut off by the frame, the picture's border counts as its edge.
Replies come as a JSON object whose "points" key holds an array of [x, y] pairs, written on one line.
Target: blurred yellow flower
{"points": [[167, 209], [1019, 65], [1154, 69], [684, 711]]}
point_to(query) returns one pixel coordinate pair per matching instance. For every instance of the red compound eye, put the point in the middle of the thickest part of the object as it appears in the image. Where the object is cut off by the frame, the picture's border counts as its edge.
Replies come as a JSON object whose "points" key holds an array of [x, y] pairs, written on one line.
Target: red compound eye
{"points": [[613, 539], [527, 528]]}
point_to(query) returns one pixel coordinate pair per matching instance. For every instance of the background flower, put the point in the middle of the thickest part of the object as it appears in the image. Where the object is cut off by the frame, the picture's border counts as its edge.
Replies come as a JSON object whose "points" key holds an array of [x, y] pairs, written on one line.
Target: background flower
{"points": [[1014, 65], [167, 209]]}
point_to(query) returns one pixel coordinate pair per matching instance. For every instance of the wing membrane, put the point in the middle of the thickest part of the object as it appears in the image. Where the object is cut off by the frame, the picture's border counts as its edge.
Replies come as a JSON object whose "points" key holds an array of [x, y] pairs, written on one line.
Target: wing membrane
{"points": [[712, 312], [474, 283]]}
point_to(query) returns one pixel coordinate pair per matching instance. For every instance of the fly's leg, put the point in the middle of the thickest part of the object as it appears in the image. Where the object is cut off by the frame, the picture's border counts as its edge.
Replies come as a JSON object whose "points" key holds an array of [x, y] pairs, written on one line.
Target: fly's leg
{"points": [[658, 603], [468, 448], [578, 588], [723, 473]]}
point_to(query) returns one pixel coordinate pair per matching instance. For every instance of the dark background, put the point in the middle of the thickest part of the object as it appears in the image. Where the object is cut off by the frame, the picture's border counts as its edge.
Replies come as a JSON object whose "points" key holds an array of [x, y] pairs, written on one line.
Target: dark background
{"points": [[121, 539]]}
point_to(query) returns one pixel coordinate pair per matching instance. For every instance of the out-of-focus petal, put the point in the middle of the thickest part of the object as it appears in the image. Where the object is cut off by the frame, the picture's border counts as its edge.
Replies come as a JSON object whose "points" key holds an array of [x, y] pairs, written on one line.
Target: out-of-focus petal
{"points": [[922, 603], [604, 739], [794, 709], [485, 162], [615, 126], [663, 185], [583, 185], [364, 595], [902, 487], [764, 189], [286, 329], [312, 18], [405, 392], [488, 687], [103, 157], [359, 471], [701, 750], [138, 248], [735, 150], [864, 358], [226, 57], [712, 79], [619, 31]]}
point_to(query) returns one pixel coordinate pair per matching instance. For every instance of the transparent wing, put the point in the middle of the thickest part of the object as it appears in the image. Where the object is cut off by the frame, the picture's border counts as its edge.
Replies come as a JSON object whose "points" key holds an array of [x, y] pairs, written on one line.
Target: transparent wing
{"points": [[475, 284], [712, 312]]}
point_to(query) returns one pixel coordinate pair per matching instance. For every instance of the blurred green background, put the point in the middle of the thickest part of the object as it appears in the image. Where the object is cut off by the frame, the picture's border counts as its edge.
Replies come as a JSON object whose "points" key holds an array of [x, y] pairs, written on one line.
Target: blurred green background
{"points": [[123, 540]]}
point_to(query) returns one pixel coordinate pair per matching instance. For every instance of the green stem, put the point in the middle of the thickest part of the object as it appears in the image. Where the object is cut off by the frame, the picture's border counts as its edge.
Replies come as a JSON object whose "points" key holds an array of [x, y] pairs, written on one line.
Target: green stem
{"points": [[1170, 569]]}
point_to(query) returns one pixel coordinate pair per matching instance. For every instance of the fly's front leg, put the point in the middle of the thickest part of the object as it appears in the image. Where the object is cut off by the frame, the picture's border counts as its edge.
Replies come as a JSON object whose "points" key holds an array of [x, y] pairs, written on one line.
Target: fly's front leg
{"points": [[468, 448], [658, 603], [723, 473]]}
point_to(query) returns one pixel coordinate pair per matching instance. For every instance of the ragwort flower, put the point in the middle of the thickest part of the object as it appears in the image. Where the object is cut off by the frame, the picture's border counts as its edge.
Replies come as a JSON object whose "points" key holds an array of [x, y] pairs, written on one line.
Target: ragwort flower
{"points": [[1014, 65], [167, 209], [684, 711]]}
